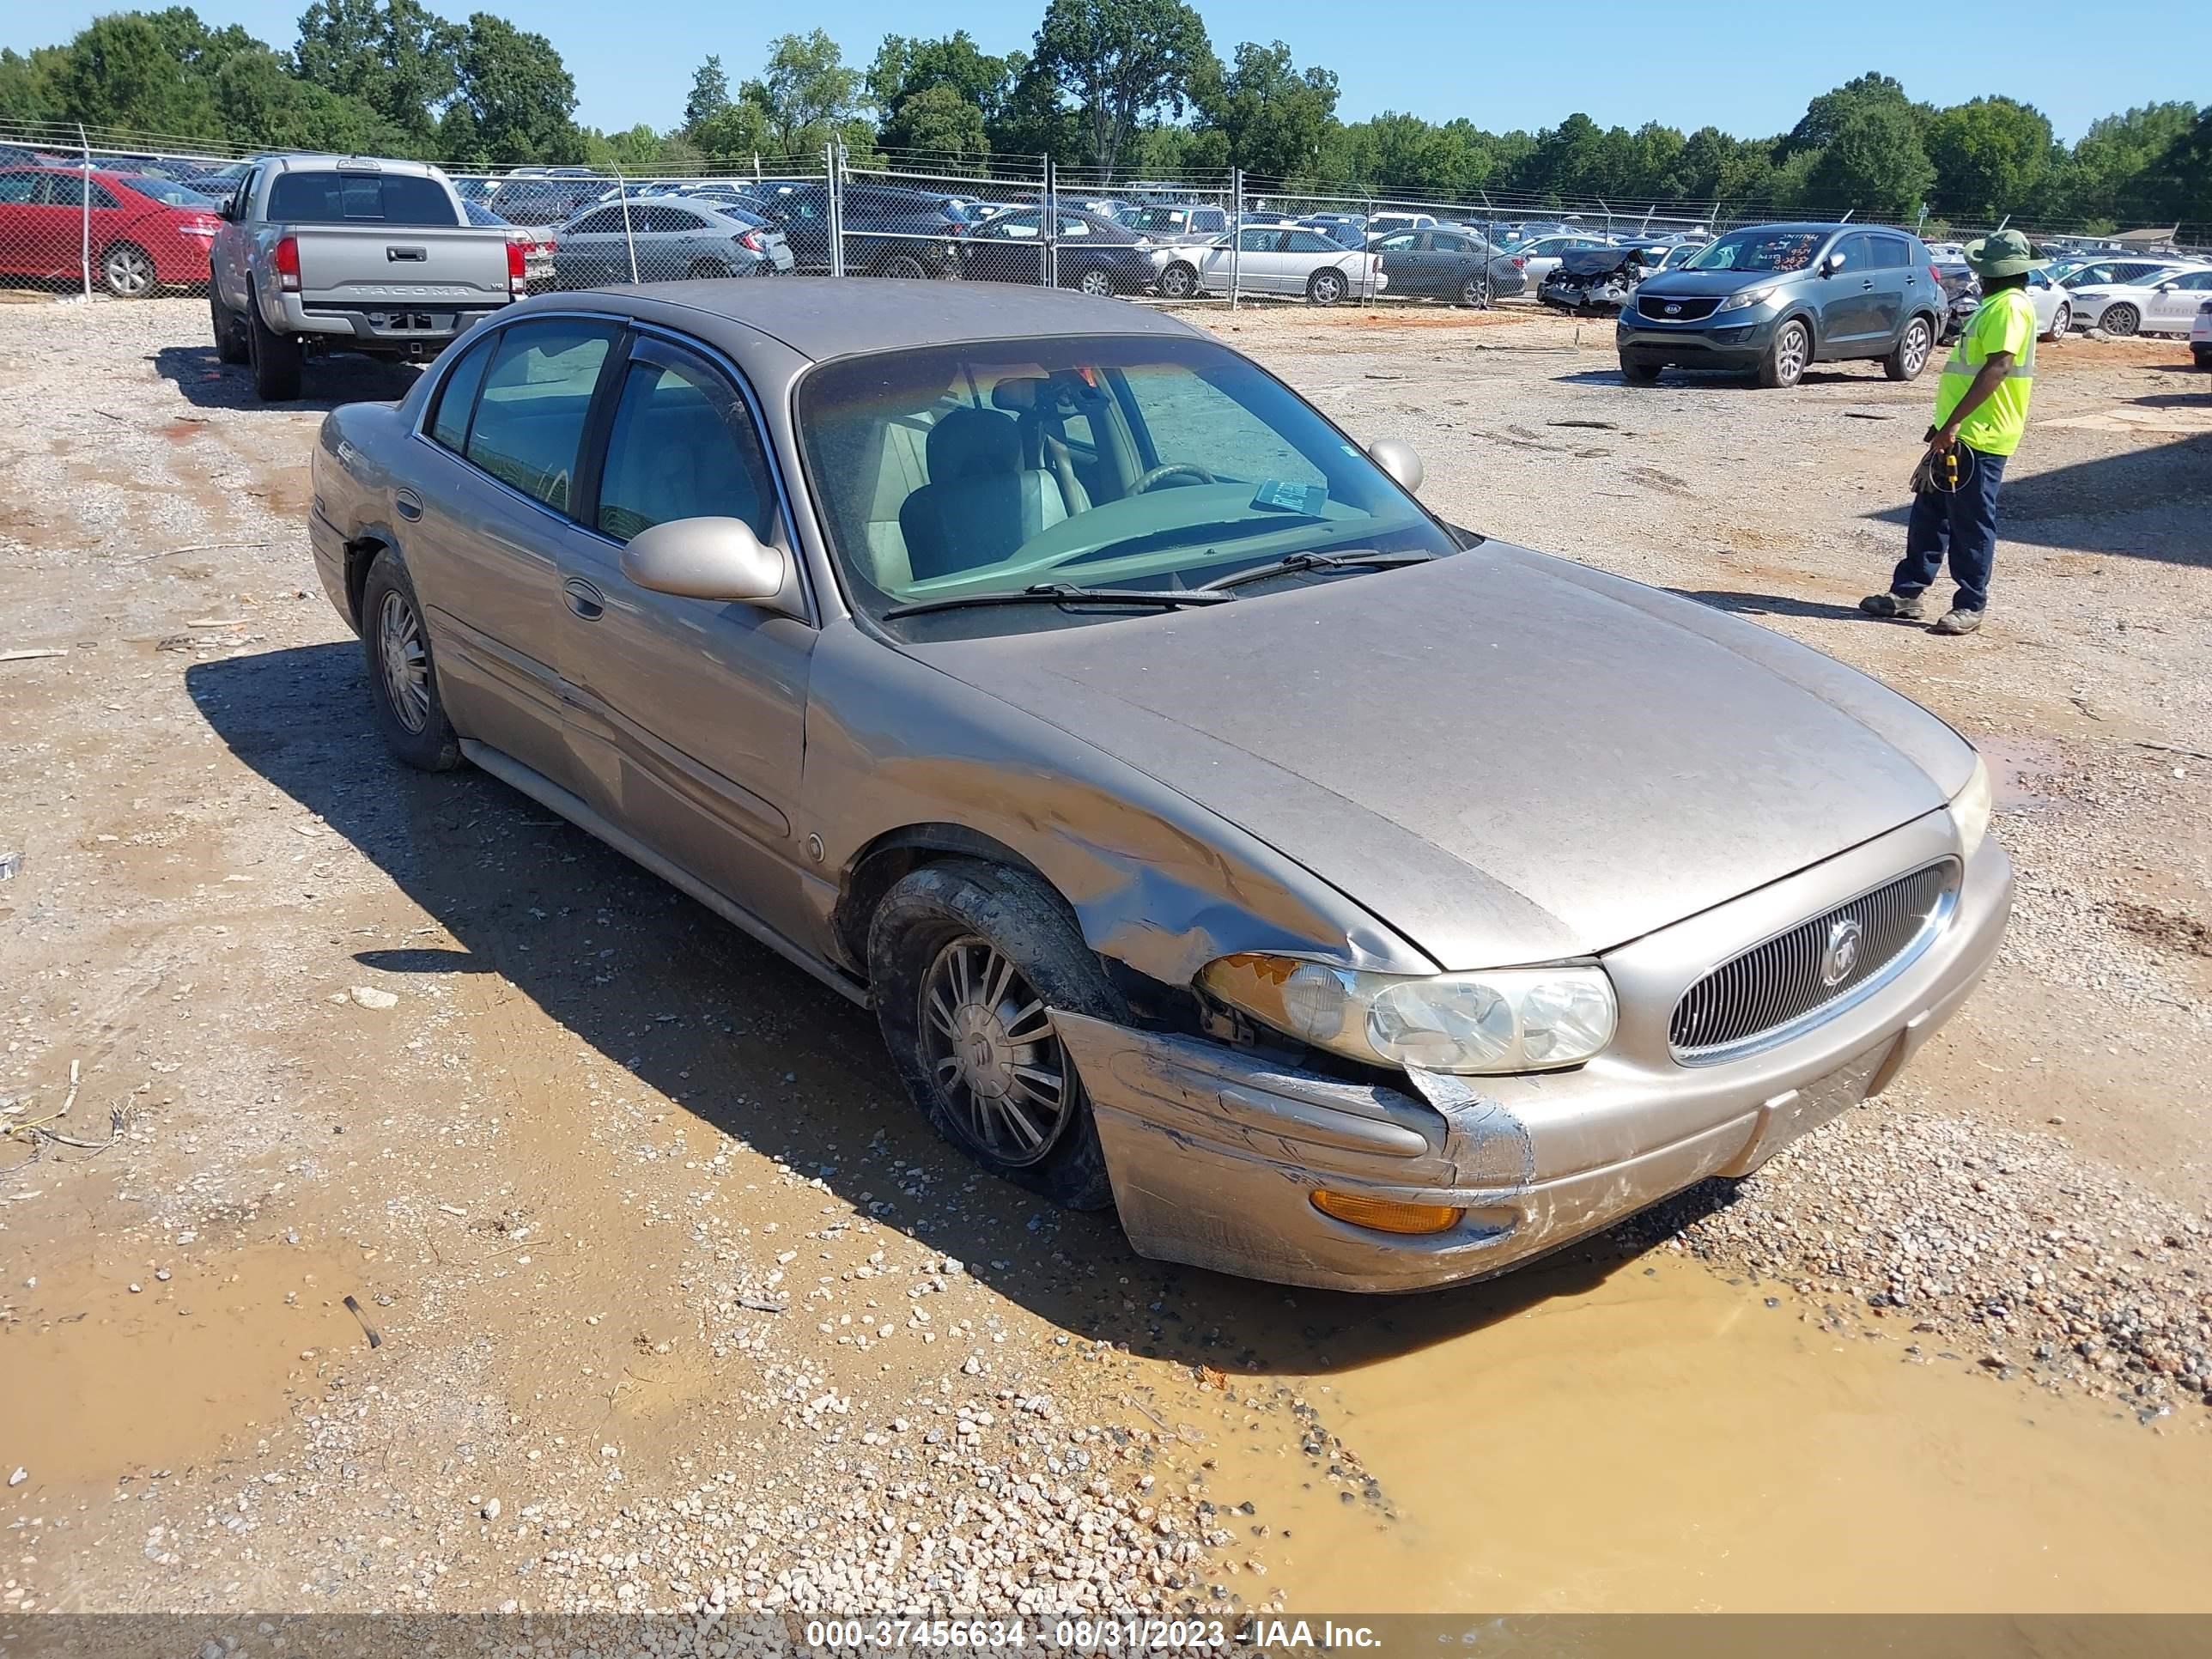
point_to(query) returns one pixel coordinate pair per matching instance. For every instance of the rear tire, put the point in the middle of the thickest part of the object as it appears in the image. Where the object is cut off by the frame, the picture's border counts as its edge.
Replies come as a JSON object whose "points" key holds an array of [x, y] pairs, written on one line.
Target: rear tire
{"points": [[276, 357], [403, 680], [1179, 281], [2203, 355], [1325, 287], [903, 266], [230, 342], [705, 271], [127, 271], [1909, 355], [2120, 320], [1784, 365], [937, 931], [1097, 282], [1475, 292], [1639, 373]]}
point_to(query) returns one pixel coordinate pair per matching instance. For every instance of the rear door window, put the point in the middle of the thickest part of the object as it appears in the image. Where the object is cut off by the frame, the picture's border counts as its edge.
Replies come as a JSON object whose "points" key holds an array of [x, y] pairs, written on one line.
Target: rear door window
{"points": [[530, 419], [1310, 241], [17, 189], [1890, 252], [338, 198]]}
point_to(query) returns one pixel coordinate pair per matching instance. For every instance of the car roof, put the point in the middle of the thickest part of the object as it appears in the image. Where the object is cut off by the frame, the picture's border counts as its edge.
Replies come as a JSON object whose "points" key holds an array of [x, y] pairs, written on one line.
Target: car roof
{"points": [[825, 317]]}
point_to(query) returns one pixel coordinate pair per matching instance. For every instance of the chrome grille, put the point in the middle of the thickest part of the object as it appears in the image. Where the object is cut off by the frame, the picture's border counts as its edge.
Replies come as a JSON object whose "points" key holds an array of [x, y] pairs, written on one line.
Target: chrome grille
{"points": [[1775, 989]]}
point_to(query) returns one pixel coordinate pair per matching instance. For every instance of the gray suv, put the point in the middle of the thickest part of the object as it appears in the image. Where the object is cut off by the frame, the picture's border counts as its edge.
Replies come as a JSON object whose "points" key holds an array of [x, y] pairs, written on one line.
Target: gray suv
{"points": [[1773, 299]]}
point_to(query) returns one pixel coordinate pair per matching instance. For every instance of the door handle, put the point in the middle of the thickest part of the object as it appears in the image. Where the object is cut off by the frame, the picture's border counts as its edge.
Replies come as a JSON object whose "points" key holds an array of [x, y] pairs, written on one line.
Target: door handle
{"points": [[585, 600], [408, 505], [1867, 286]]}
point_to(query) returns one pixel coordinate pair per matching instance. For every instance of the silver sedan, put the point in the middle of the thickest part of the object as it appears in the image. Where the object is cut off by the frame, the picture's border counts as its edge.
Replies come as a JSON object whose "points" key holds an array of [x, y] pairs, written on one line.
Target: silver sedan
{"points": [[1345, 898]]}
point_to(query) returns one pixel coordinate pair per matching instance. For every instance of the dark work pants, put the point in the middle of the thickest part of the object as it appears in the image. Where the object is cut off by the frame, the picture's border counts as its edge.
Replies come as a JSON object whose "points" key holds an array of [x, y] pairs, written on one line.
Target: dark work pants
{"points": [[1963, 525]]}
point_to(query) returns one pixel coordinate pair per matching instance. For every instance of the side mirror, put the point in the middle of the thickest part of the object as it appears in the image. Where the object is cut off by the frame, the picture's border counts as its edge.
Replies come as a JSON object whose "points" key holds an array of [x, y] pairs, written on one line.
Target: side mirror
{"points": [[706, 559], [1396, 457], [227, 209], [1832, 264], [2165, 287]]}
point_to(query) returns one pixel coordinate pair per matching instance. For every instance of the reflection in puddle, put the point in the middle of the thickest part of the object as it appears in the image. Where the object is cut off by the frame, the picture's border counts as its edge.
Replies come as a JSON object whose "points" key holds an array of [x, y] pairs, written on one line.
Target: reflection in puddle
{"points": [[1661, 1440]]}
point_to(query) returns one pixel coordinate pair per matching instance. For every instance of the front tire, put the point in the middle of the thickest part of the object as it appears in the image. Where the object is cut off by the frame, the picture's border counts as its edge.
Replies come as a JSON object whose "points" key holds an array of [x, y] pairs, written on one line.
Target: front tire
{"points": [[1909, 355], [276, 357], [1179, 281], [2120, 320], [402, 680], [1325, 287], [1784, 365], [1638, 374], [2061, 322], [965, 961]]}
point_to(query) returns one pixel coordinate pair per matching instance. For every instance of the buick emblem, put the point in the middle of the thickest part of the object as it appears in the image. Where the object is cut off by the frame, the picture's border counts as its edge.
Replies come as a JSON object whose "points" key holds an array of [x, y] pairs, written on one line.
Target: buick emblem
{"points": [[1842, 954], [1673, 310]]}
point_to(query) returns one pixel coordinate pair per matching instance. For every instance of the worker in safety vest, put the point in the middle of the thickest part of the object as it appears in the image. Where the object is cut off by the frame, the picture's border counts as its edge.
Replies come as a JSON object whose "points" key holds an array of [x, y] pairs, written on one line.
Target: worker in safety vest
{"points": [[1981, 412]]}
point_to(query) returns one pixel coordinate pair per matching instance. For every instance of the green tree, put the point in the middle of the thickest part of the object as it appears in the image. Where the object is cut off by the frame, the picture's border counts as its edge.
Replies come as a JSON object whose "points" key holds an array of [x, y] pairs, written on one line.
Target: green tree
{"points": [[906, 65], [806, 94], [2110, 171], [395, 55], [737, 132], [265, 104], [517, 95], [937, 119], [123, 71], [1033, 120], [1121, 62], [1274, 117], [2180, 181], [1825, 116], [1873, 162], [30, 90], [710, 93], [1991, 157]]}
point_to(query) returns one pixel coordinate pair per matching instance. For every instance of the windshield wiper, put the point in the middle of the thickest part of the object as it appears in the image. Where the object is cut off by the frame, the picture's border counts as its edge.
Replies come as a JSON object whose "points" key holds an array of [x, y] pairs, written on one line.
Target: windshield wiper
{"points": [[1064, 593], [1295, 562]]}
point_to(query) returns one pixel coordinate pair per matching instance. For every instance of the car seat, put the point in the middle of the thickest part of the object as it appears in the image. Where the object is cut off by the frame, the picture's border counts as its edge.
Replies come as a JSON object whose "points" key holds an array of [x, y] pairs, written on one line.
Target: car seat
{"points": [[981, 504]]}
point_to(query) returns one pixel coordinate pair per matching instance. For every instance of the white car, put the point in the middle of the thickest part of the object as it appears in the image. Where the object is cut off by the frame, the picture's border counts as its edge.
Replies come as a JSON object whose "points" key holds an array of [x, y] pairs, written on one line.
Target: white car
{"points": [[1542, 255], [2125, 296], [2200, 335], [1292, 262], [2054, 305], [1384, 224]]}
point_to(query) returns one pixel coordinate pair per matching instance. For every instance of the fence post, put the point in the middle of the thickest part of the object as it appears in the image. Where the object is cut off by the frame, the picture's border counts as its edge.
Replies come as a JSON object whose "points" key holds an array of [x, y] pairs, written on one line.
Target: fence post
{"points": [[835, 189], [1050, 253], [629, 233], [84, 210], [1235, 232]]}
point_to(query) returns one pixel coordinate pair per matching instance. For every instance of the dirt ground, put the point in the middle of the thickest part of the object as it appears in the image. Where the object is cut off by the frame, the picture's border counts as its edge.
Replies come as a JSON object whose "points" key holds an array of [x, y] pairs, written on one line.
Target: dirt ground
{"points": [[453, 1216]]}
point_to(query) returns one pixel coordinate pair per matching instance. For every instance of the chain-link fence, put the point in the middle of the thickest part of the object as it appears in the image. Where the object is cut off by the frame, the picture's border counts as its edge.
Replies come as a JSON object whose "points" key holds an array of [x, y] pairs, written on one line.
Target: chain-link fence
{"points": [[91, 214]]}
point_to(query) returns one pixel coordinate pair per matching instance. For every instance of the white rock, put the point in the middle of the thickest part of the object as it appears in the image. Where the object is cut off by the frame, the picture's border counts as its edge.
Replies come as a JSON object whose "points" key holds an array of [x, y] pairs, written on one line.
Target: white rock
{"points": [[367, 996]]}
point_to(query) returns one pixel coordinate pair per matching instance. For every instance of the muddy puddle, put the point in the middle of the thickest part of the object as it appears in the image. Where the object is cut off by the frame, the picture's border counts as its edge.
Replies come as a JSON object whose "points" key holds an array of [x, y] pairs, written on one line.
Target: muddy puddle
{"points": [[108, 1368], [1661, 1440]]}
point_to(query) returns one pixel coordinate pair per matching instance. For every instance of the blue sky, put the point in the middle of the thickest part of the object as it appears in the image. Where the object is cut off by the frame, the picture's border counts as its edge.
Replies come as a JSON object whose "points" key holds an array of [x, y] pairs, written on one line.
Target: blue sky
{"points": [[1515, 65]]}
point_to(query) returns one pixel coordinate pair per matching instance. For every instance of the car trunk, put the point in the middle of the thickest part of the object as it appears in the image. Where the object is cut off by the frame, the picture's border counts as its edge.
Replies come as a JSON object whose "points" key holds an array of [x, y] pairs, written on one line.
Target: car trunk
{"points": [[370, 266]]}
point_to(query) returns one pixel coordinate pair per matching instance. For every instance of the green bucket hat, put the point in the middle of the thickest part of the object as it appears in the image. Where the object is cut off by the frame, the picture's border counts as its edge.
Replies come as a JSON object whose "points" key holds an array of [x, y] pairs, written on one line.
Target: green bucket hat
{"points": [[2001, 253]]}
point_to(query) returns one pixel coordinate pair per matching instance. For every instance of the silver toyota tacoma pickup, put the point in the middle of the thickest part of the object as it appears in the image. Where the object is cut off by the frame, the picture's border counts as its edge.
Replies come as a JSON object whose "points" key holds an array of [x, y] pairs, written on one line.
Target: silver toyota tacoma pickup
{"points": [[342, 253]]}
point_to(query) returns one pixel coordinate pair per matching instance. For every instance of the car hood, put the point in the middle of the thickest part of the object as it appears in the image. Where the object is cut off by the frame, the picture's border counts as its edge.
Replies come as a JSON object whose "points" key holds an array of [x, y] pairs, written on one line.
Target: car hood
{"points": [[1505, 757], [1679, 284]]}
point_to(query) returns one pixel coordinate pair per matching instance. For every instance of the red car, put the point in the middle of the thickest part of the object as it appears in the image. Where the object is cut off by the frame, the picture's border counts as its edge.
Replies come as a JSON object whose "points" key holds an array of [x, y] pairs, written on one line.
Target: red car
{"points": [[145, 233]]}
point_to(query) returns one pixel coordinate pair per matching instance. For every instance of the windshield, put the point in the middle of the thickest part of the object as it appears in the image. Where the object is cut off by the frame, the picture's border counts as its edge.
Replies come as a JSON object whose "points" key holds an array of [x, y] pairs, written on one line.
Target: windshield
{"points": [[1136, 462], [1763, 249]]}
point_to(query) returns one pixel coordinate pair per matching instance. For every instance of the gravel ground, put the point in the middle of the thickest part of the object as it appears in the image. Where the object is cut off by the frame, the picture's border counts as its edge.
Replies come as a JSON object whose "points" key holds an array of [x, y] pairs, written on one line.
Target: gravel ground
{"points": [[675, 1306]]}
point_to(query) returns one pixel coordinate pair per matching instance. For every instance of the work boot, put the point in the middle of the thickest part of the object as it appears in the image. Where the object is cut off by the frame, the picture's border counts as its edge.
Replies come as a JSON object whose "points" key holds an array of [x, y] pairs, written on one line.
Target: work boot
{"points": [[1898, 606], [1957, 621]]}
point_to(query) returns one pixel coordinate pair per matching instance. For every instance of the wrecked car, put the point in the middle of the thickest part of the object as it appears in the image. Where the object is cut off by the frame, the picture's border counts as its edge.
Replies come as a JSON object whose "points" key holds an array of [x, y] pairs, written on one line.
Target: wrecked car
{"points": [[1599, 278], [1344, 897]]}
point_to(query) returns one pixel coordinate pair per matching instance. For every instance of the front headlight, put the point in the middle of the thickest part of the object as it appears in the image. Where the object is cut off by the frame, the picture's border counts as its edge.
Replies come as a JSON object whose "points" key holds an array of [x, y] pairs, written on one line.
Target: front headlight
{"points": [[1970, 808], [1509, 1019], [1745, 300]]}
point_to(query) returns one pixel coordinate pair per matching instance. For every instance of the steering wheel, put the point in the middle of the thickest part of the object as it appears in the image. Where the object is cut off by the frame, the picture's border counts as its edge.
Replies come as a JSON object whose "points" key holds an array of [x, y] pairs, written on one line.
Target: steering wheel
{"points": [[1167, 470]]}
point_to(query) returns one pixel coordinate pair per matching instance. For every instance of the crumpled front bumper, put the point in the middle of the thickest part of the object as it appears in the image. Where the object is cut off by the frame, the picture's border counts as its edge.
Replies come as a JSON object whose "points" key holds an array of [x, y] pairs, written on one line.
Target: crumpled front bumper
{"points": [[1215, 1154]]}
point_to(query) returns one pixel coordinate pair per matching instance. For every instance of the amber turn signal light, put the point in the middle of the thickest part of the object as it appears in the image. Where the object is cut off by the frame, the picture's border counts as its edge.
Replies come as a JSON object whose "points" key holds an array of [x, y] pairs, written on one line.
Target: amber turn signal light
{"points": [[1386, 1215]]}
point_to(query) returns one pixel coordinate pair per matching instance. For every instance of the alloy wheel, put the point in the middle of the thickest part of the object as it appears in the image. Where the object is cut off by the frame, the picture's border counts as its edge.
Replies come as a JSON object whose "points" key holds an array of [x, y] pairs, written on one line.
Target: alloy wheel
{"points": [[1097, 284], [2062, 322], [1328, 288], [1916, 349], [1790, 352], [2120, 320], [991, 1053], [128, 272], [405, 661]]}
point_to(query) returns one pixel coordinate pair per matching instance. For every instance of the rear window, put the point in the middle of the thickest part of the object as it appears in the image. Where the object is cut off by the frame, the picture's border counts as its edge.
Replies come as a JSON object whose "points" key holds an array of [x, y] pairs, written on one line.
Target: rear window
{"points": [[338, 198]]}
